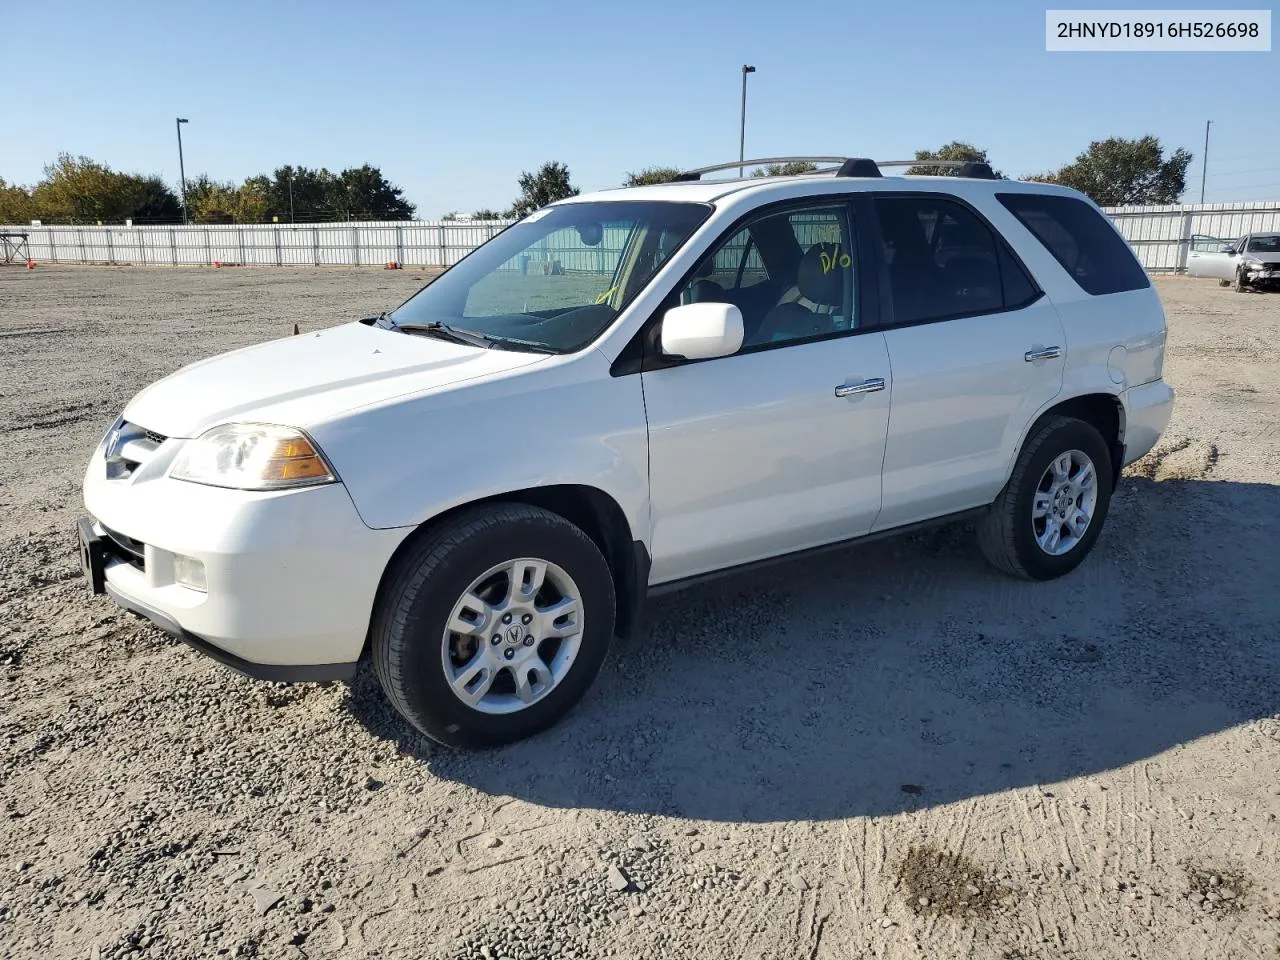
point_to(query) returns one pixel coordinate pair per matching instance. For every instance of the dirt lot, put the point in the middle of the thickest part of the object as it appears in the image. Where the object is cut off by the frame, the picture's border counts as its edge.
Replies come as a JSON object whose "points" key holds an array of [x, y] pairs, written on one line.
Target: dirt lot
{"points": [[888, 752]]}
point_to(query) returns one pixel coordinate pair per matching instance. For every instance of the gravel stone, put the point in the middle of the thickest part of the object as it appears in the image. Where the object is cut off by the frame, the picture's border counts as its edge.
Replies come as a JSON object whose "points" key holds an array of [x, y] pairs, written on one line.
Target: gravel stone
{"points": [[264, 899], [618, 880], [160, 779]]}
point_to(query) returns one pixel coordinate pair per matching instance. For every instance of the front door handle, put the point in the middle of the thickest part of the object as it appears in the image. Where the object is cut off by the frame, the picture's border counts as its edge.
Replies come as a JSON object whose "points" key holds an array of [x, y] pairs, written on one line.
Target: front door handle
{"points": [[1042, 353], [873, 385]]}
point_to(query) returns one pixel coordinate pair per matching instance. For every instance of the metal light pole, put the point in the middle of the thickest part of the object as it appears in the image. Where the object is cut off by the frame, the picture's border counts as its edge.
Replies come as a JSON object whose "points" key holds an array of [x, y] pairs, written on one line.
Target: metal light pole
{"points": [[182, 170], [1204, 164], [742, 125]]}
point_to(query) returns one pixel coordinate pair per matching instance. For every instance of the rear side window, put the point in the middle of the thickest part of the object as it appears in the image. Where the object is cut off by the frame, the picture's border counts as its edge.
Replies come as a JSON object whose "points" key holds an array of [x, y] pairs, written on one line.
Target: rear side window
{"points": [[1081, 240], [944, 261]]}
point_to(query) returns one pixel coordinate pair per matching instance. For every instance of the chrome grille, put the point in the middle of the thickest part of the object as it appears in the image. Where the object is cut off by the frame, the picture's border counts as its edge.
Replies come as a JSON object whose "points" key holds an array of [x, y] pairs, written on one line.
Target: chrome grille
{"points": [[129, 447]]}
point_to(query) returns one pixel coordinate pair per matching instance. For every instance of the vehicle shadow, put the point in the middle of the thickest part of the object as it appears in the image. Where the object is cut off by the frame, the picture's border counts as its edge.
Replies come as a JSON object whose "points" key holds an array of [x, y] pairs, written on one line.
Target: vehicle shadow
{"points": [[906, 673]]}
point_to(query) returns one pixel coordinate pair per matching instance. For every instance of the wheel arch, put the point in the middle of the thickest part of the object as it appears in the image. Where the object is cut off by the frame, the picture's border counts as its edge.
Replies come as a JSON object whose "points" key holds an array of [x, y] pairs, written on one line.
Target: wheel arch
{"points": [[1103, 411], [590, 509]]}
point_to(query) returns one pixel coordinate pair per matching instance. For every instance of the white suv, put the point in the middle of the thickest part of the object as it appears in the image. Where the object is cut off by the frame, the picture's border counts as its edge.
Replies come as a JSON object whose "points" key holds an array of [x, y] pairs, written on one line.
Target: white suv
{"points": [[625, 391]]}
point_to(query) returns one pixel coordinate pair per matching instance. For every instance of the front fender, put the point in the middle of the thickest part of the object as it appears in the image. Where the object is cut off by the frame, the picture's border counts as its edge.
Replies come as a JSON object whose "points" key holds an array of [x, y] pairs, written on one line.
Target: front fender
{"points": [[565, 421]]}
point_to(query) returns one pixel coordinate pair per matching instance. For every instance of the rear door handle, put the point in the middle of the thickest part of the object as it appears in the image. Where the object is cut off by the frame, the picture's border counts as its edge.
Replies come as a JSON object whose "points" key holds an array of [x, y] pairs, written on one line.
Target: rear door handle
{"points": [[874, 385], [1042, 353]]}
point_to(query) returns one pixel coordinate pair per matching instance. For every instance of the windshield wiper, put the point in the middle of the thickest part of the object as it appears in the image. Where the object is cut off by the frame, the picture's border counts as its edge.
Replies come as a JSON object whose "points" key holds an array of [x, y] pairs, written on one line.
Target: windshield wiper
{"points": [[445, 332], [472, 338]]}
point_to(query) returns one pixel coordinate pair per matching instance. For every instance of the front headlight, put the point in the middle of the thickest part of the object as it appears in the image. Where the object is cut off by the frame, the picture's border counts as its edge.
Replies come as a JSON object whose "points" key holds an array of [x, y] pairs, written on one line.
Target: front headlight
{"points": [[1253, 264], [252, 456]]}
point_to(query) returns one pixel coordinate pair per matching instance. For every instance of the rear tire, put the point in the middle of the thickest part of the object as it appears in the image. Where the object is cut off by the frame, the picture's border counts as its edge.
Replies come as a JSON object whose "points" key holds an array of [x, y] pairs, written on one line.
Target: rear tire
{"points": [[454, 684], [1016, 535], [1224, 283]]}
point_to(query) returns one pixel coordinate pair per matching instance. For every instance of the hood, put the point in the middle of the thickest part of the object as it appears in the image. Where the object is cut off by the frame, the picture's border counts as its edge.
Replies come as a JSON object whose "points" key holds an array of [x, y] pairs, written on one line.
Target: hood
{"points": [[303, 380], [1265, 257]]}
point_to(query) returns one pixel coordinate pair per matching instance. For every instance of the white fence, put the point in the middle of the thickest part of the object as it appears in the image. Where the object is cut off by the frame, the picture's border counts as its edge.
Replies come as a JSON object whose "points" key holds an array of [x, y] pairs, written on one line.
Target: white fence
{"points": [[1161, 236], [412, 242]]}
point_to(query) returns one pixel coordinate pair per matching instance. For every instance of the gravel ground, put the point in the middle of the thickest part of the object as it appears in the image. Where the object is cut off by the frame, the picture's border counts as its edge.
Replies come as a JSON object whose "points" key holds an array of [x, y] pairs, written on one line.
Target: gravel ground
{"points": [[888, 752]]}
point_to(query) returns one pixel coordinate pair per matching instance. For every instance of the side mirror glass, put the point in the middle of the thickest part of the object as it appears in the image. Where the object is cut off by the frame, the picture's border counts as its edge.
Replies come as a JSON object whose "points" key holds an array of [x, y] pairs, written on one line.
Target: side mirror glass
{"points": [[701, 331], [1227, 248]]}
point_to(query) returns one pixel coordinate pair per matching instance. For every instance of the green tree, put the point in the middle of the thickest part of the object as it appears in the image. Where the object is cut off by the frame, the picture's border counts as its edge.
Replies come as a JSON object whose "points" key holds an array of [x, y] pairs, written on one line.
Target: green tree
{"points": [[449, 217], [209, 201], [80, 190], [547, 185], [16, 206], [1117, 172], [652, 175], [251, 202], [955, 150], [363, 193], [309, 190], [484, 213], [155, 201], [792, 169]]}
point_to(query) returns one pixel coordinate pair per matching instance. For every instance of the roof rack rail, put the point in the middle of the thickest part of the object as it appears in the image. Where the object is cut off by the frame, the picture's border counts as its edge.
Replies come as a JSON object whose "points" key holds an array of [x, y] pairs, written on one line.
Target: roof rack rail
{"points": [[850, 166], [973, 169], [696, 174]]}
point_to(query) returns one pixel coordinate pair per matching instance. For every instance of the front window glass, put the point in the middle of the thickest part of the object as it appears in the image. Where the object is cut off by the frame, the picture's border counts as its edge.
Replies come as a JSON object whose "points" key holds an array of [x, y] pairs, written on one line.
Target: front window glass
{"points": [[791, 273], [1269, 243], [555, 280]]}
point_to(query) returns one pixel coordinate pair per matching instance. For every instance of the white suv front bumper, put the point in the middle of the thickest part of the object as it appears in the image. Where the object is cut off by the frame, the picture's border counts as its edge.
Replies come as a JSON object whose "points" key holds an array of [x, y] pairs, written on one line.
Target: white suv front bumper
{"points": [[291, 575]]}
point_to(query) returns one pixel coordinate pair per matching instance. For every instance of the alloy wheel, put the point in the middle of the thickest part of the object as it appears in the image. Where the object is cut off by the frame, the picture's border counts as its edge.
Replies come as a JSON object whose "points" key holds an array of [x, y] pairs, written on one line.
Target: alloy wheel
{"points": [[1064, 502], [512, 636]]}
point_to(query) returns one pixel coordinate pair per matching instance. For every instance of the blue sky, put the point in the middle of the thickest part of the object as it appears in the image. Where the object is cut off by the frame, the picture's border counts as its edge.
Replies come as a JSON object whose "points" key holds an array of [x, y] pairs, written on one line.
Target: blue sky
{"points": [[454, 100]]}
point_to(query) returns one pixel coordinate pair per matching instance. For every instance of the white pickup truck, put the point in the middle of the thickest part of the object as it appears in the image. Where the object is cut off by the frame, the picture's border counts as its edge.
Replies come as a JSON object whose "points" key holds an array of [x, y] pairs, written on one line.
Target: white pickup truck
{"points": [[1253, 261]]}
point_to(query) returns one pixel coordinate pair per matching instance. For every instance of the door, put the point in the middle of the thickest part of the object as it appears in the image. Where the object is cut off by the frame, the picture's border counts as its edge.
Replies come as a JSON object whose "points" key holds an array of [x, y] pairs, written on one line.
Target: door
{"points": [[976, 351], [777, 447], [1224, 267], [1209, 258]]}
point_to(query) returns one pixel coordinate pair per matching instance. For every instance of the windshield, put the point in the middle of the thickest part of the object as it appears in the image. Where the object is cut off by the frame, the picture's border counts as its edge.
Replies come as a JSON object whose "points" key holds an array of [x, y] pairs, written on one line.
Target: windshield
{"points": [[555, 280], [1270, 243]]}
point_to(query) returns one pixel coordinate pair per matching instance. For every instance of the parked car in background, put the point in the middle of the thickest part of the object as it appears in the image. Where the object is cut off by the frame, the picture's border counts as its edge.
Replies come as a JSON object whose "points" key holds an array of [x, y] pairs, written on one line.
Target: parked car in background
{"points": [[626, 392], [1253, 261]]}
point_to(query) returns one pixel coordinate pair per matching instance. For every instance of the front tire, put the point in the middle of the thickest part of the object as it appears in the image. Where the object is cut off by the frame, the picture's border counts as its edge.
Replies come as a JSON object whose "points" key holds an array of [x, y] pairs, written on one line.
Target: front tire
{"points": [[1048, 516], [1239, 284], [492, 625]]}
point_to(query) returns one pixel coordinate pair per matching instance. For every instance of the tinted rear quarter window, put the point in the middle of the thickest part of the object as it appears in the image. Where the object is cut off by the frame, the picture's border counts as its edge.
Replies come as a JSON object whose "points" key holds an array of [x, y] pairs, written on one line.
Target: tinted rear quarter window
{"points": [[1081, 240]]}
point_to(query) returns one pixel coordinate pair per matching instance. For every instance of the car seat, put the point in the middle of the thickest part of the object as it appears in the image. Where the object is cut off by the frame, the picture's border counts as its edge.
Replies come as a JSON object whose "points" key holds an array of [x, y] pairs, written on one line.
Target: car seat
{"points": [[820, 282], [702, 290]]}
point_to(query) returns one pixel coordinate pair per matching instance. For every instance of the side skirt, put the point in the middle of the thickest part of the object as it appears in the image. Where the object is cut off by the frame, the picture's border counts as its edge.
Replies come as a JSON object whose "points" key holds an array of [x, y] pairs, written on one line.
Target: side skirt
{"points": [[671, 586]]}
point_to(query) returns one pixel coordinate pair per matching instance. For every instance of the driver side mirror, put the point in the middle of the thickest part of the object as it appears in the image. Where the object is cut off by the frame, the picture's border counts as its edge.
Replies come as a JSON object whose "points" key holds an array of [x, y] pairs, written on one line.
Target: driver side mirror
{"points": [[1227, 248], [702, 331]]}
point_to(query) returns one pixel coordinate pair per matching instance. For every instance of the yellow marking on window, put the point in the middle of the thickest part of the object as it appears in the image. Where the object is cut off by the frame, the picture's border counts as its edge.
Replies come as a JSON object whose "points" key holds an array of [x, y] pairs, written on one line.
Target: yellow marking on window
{"points": [[607, 294], [830, 261]]}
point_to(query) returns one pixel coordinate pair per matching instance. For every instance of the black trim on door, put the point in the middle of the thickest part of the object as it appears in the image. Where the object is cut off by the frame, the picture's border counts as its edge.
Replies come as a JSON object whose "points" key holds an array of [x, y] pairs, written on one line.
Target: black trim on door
{"points": [[640, 353], [886, 320]]}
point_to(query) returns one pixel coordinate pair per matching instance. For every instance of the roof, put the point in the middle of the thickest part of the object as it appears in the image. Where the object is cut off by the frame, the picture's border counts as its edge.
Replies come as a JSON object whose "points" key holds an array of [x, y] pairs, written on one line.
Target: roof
{"points": [[709, 191]]}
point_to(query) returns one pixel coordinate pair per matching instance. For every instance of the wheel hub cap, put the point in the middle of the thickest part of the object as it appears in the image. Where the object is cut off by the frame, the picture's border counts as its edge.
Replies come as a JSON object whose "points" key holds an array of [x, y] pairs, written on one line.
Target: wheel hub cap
{"points": [[512, 636], [1064, 502]]}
